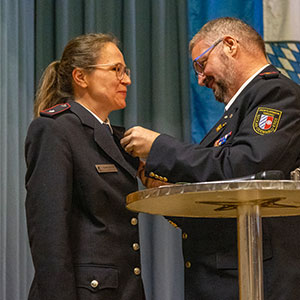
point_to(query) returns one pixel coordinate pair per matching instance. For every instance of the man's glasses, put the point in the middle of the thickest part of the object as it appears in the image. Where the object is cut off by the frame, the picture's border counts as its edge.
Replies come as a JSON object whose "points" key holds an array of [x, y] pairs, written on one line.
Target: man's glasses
{"points": [[118, 67], [200, 66]]}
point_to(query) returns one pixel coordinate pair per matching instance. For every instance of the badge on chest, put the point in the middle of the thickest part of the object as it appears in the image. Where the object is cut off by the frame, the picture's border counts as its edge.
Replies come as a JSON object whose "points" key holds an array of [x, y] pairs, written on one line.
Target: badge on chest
{"points": [[222, 140], [106, 168]]}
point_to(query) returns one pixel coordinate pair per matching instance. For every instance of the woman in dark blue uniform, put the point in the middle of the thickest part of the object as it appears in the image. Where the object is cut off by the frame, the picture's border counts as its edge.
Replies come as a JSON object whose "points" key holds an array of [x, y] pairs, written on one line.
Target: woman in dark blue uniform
{"points": [[84, 243]]}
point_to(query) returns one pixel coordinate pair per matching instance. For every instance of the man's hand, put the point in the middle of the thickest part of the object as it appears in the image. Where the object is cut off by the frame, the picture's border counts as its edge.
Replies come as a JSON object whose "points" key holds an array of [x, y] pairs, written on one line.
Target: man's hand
{"points": [[137, 141]]}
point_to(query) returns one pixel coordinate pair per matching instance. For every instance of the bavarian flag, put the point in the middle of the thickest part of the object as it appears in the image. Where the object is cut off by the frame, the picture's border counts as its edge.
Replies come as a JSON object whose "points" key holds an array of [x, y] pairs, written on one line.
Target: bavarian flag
{"points": [[282, 35]]}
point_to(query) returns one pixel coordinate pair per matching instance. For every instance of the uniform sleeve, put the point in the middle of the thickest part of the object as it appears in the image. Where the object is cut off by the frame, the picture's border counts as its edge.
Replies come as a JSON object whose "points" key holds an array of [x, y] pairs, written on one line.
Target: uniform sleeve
{"points": [[246, 151], [48, 208]]}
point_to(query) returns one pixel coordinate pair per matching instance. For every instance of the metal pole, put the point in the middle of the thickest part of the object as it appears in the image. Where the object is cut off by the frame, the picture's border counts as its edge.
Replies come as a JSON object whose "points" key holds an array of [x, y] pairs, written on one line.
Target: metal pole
{"points": [[250, 252]]}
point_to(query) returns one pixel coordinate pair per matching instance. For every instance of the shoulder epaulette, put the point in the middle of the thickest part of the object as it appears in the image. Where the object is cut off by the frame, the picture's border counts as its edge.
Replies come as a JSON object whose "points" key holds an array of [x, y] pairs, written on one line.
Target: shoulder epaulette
{"points": [[57, 109], [269, 75]]}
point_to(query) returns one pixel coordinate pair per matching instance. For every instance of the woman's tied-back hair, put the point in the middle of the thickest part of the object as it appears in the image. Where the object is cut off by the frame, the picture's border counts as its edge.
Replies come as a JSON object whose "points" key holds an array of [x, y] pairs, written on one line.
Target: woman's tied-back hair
{"points": [[218, 28], [56, 82]]}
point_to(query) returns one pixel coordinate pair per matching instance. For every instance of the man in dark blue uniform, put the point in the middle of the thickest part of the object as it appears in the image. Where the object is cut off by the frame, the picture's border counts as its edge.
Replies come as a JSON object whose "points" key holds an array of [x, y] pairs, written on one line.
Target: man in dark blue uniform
{"points": [[260, 130]]}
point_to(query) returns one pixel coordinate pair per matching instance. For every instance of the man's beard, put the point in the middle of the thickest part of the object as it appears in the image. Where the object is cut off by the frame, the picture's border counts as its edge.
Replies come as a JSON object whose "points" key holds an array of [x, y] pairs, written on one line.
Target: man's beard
{"points": [[222, 86], [221, 91]]}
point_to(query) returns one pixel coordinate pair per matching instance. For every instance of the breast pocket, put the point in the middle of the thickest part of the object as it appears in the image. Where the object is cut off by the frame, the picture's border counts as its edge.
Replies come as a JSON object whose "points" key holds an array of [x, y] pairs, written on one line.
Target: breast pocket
{"points": [[96, 281]]}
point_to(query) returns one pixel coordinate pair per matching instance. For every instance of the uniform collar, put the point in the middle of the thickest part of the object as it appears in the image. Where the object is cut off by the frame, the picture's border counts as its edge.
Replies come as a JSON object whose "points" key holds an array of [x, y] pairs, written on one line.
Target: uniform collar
{"points": [[104, 140], [106, 122], [244, 86]]}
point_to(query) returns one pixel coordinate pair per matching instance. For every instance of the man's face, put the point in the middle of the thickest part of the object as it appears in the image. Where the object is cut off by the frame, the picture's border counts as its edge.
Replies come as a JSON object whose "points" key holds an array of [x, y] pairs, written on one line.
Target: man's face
{"points": [[218, 70]]}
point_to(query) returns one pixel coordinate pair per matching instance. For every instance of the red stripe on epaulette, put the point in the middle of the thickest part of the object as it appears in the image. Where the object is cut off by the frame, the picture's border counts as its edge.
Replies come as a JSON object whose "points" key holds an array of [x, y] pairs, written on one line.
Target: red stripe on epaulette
{"points": [[269, 75], [56, 109]]}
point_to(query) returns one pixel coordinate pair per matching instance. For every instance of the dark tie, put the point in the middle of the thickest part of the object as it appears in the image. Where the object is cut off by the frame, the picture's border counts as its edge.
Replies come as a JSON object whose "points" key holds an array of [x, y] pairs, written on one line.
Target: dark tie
{"points": [[106, 126]]}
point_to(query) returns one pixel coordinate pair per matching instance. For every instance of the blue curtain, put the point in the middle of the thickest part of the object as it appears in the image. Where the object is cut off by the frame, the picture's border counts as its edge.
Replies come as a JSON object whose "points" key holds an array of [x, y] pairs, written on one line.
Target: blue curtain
{"points": [[153, 37], [16, 94], [154, 40], [205, 110]]}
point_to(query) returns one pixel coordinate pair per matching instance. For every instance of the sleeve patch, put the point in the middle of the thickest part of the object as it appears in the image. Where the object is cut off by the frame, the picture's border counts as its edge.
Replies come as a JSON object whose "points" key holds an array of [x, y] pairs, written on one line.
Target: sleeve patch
{"points": [[266, 120], [57, 109]]}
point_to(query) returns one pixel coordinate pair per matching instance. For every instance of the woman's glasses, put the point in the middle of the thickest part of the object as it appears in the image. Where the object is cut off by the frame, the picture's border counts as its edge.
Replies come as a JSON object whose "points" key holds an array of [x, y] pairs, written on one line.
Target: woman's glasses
{"points": [[118, 67]]}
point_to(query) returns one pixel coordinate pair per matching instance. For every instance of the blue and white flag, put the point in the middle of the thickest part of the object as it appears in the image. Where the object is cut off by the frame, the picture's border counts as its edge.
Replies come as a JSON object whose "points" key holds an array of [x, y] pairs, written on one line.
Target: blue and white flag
{"points": [[282, 35]]}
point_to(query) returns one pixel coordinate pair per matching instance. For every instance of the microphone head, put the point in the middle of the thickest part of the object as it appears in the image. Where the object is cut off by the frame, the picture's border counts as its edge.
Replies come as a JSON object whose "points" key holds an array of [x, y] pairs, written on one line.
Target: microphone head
{"points": [[270, 175]]}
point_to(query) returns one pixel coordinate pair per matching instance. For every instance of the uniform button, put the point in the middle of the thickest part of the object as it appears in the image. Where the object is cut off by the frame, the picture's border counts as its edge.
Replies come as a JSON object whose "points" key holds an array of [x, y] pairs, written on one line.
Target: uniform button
{"points": [[137, 271], [136, 246], [173, 224], [165, 179], [156, 176], [188, 264], [134, 221], [94, 284], [151, 174], [184, 236]]}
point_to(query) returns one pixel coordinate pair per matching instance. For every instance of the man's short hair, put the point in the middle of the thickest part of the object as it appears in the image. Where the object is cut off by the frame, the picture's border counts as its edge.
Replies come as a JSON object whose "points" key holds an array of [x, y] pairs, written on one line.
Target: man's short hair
{"points": [[217, 28]]}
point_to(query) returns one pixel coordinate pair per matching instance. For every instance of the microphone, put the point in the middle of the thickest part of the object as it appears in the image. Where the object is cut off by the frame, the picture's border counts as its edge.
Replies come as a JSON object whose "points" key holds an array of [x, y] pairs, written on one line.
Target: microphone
{"points": [[264, 175]]}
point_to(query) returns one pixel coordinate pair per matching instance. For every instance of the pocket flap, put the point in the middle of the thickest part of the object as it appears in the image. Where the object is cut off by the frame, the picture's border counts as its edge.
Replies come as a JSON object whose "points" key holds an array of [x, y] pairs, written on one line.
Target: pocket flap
{"points": [[96, 277], [227, 261]]}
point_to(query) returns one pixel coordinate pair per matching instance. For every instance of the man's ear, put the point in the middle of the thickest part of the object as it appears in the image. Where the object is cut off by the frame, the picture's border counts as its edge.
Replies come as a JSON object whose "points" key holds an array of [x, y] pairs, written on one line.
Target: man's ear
{"points": [[230, 45], [79, 77]]}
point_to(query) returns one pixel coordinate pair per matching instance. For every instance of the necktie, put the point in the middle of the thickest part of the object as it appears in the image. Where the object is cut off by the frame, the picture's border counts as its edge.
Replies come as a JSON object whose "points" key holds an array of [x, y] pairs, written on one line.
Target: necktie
{"points": [[108, 128]]}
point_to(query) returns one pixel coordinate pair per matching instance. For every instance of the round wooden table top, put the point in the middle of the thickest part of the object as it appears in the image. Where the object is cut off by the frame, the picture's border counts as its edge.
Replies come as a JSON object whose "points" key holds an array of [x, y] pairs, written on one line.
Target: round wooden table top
{"points": [[218, 199]]}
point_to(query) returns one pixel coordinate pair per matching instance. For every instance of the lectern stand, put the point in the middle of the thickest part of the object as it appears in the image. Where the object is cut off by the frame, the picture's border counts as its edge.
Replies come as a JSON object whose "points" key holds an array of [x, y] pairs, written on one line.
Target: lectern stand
{"points": [[248, 201]]}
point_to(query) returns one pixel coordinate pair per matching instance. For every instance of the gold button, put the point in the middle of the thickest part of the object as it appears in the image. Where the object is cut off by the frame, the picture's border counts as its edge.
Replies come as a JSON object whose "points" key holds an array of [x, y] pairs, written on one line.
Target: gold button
{"points": [[173, 224], [156, 176], [151, 174], [165, 179], [188, 264], [94, 284], [134, 221], [137, 271], [184, 236], [135, 246]]}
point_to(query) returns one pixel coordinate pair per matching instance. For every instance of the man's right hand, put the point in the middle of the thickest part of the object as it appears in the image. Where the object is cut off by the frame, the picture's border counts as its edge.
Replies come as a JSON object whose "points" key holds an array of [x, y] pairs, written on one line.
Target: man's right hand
{"points": [[137, 141]]}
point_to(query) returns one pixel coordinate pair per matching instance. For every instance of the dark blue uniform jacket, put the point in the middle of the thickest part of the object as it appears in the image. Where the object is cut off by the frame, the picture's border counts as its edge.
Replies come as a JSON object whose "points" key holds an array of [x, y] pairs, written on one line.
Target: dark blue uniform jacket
{"points": [[81, 234]]}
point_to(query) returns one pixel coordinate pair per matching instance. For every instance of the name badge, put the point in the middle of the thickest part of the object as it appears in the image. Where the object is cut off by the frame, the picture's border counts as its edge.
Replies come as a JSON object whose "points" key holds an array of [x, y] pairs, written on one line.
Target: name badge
{"points": [[106, 168]]}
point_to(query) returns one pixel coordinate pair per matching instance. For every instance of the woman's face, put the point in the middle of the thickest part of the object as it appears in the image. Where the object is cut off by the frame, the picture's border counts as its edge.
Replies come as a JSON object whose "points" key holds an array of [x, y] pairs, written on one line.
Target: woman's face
{"points": [[103, 85]]}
